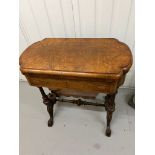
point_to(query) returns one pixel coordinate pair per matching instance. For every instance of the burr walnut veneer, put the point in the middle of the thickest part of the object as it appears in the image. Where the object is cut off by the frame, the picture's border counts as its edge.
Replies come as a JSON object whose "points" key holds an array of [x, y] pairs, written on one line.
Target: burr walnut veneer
{"points": [[86, 65]]}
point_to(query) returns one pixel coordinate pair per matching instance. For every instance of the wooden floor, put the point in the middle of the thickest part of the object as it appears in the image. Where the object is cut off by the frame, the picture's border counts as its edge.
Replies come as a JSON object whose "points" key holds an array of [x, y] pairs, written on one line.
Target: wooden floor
{"points": [[77, 130]]}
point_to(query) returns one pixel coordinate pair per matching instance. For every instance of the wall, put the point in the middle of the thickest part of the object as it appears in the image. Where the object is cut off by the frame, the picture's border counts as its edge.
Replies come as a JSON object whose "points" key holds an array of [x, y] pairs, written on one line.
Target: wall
{"points": [[77, 18]]}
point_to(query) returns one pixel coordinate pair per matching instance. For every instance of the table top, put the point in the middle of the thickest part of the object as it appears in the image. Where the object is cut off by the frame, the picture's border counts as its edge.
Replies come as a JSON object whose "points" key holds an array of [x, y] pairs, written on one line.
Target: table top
{"points": [[93, 57]]}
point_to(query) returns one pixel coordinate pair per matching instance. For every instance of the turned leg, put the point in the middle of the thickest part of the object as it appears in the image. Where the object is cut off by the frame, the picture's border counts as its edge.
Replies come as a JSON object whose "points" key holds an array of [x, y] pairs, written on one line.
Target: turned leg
{"points": [[49, 101], [110, 108]]}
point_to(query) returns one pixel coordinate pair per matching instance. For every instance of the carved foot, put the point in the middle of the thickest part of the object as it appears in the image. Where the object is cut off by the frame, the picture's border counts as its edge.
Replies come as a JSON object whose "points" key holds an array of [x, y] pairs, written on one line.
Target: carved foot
{"points": [[50, 111], [110, 108], [50, 122], [49, 100], [108, 132]]}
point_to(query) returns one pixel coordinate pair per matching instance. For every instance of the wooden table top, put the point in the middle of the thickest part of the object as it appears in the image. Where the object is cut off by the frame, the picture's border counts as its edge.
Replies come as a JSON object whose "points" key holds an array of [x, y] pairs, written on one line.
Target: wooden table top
{"points": [[93, 57]]}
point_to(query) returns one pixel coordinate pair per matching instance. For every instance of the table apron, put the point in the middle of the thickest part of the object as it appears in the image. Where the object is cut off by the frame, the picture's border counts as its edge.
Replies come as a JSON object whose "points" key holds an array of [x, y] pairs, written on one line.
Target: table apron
{"points": [[80, 85]]}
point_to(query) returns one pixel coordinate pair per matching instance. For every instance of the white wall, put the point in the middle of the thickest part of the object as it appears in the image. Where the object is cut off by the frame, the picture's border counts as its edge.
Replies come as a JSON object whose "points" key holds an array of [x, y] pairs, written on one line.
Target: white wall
{"points": [[77, 18]]}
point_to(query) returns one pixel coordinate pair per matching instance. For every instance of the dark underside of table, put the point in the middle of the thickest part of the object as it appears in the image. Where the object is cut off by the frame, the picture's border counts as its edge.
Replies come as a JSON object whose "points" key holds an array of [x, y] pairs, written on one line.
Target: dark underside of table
{"points": [[85, 65]]}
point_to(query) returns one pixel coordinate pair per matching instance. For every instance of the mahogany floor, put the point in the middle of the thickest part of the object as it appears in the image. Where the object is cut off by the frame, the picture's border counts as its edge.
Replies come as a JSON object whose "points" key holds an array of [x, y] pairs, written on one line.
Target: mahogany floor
{"points": [[77, 130]]}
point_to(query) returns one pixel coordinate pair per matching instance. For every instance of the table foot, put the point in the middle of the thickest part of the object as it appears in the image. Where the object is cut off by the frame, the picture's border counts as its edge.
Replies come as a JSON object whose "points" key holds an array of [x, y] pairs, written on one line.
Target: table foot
{"points": [[50, 111], [50, 122], [49, 100], [108, 132], [110, 108]]}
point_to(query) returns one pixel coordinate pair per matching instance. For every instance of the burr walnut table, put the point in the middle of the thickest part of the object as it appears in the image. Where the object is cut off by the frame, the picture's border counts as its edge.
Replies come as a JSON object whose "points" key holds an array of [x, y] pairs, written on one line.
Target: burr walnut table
{"points": [[86, 65]]}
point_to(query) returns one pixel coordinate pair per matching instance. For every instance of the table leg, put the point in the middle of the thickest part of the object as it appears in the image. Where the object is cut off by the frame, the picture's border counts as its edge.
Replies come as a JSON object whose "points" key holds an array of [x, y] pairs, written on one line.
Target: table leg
{"points": [[49, 100], [110, 108]]}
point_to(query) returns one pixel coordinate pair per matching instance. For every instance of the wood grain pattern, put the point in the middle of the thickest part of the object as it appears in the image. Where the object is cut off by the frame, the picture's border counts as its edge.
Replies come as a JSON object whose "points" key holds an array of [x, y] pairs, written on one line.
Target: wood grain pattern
{"points": [[81, 64], [104, 57], [80, 85]]}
